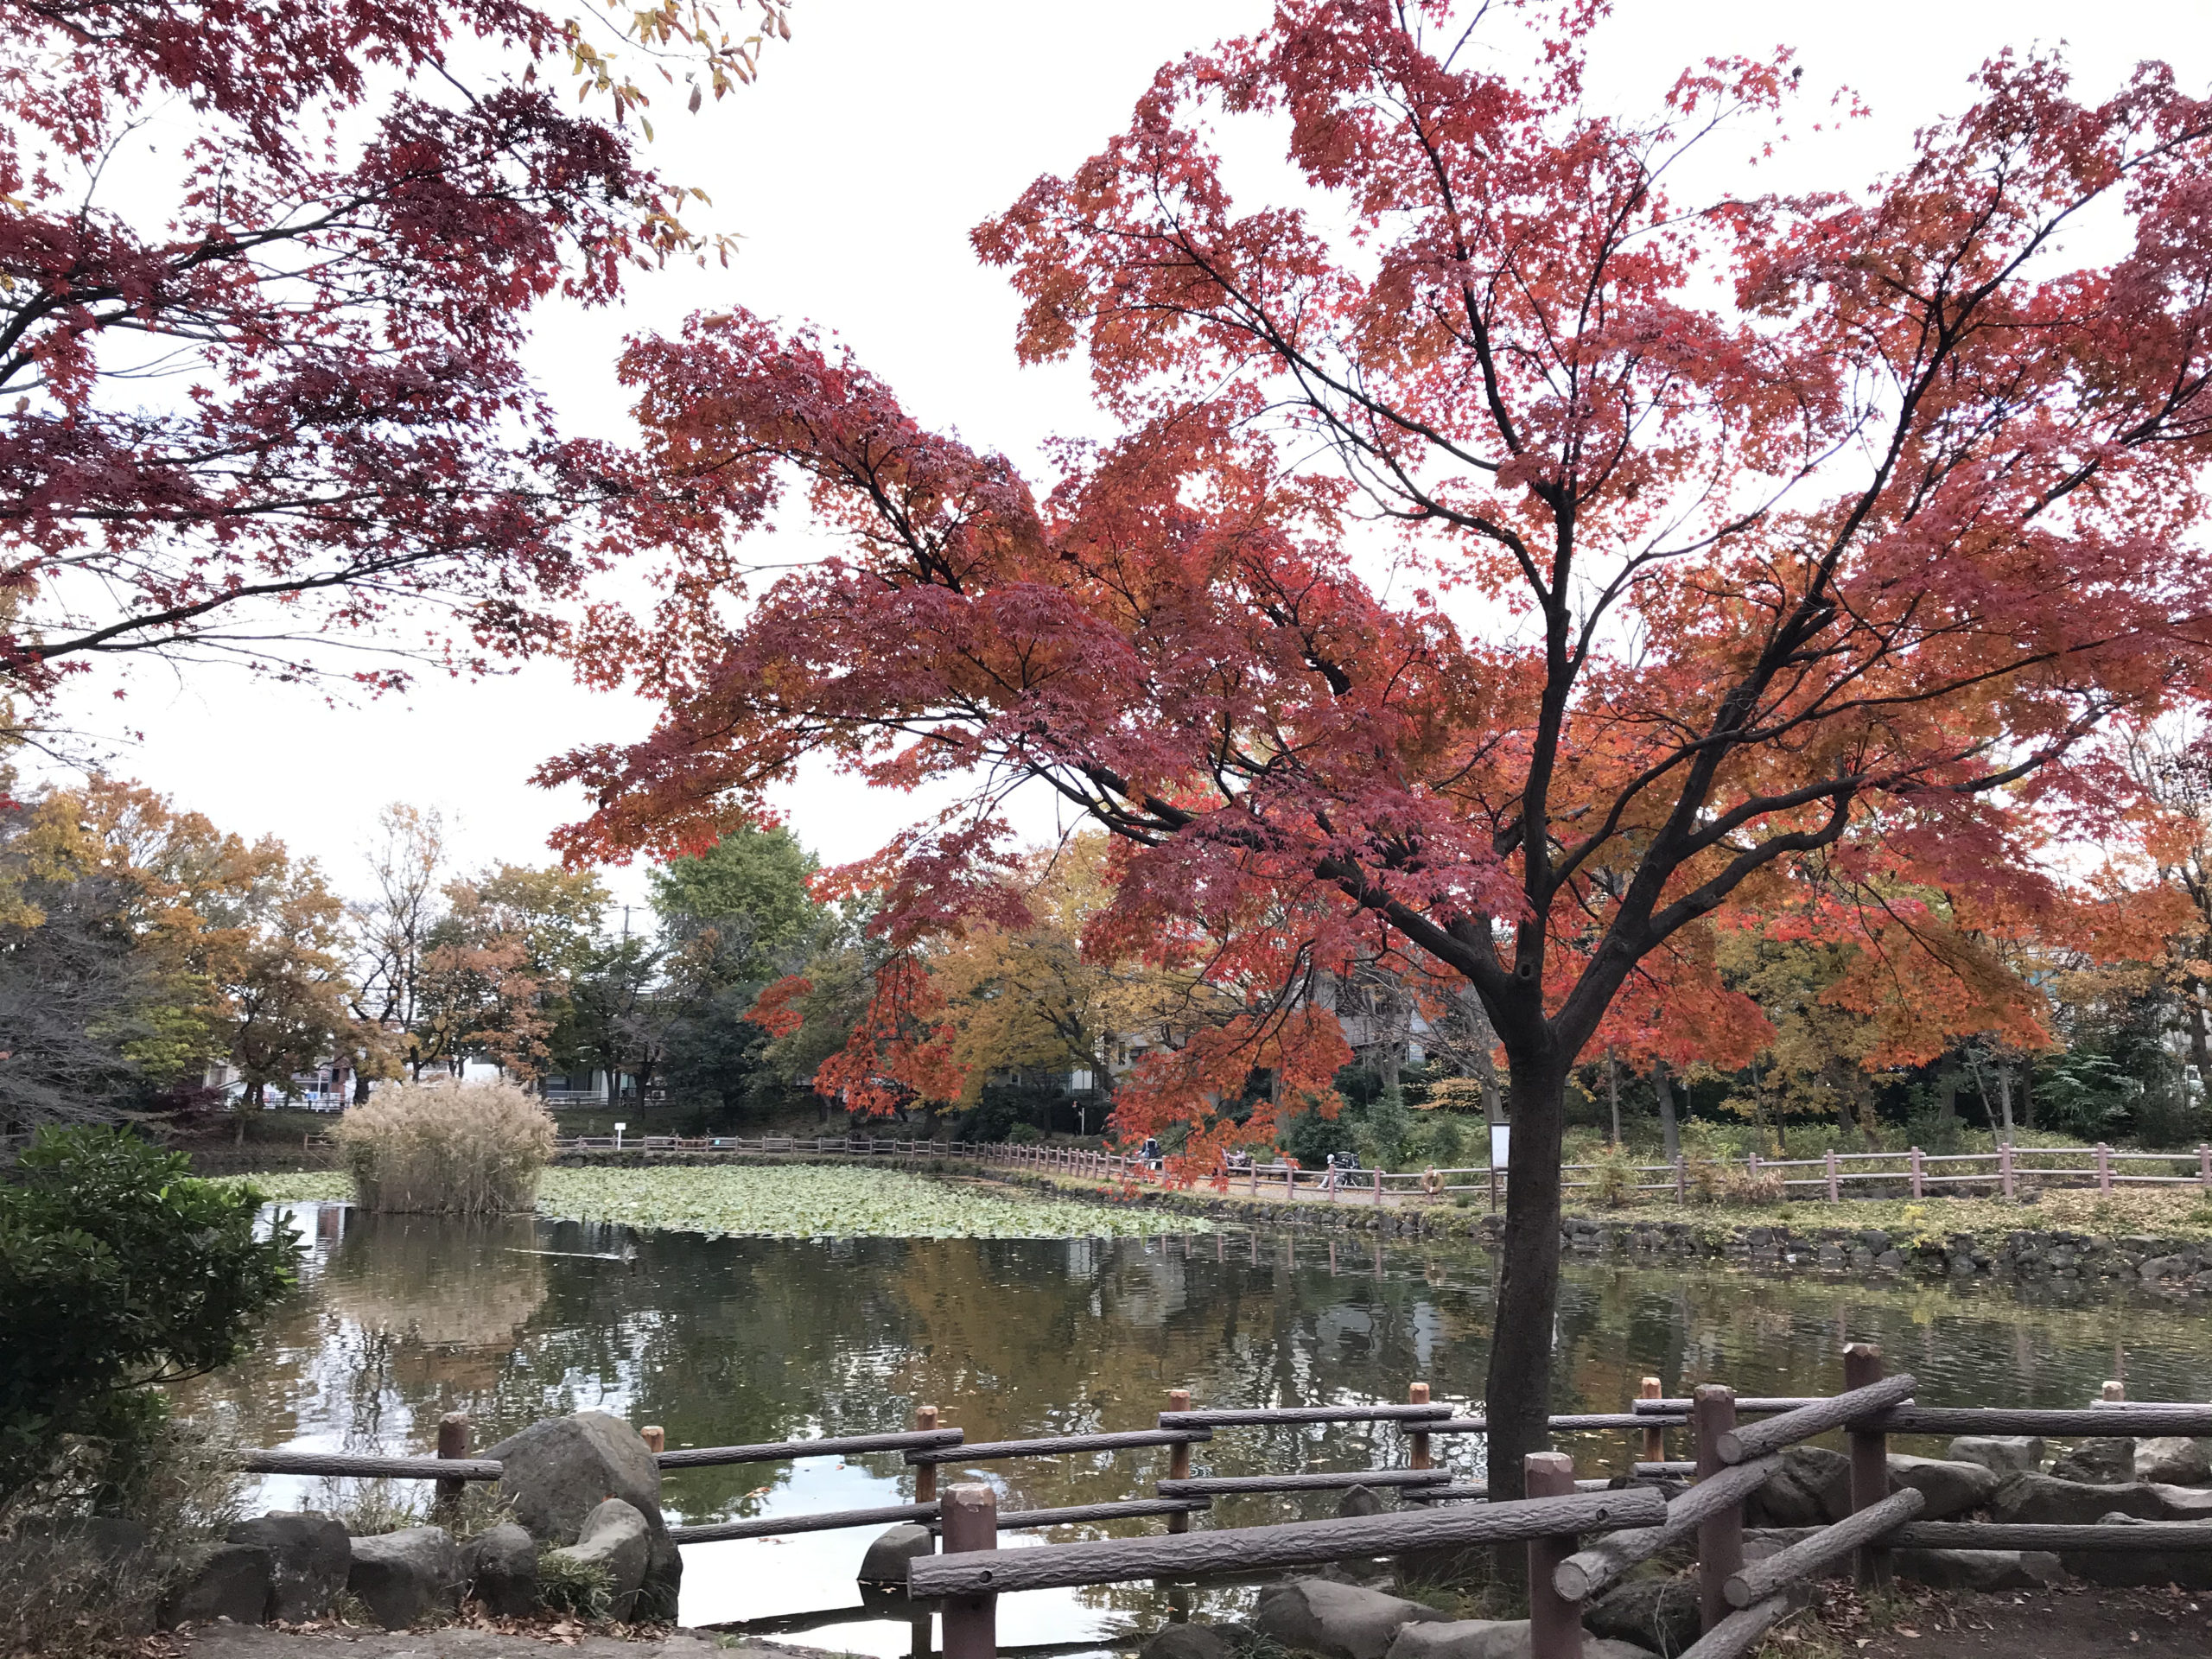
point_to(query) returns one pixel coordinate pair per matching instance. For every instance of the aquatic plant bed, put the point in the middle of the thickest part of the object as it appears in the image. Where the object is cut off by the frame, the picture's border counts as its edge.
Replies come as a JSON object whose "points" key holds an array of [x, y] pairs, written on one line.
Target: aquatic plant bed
{"points": [[795, 1201]]}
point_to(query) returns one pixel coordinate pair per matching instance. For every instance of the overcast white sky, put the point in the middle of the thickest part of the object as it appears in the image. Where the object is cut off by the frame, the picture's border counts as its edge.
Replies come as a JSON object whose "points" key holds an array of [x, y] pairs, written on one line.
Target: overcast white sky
{"points": [[855, 169]]}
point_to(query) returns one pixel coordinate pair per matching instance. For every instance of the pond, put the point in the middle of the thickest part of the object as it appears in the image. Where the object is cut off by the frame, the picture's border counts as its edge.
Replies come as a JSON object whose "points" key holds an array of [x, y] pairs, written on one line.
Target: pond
{"points": [[731, 1339]]}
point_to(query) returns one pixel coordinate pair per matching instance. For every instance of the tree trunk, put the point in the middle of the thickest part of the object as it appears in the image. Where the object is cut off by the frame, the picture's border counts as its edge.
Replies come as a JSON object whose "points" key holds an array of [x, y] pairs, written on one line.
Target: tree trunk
{"points": [[2199, 1040], [1670, 1132], [2028, 1096], [1516, 1397], [1613, 1090], [2005, 1094]]}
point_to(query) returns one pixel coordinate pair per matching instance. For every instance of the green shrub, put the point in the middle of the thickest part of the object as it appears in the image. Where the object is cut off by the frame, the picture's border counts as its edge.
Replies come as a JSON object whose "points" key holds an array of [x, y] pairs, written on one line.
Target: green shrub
{"points": [[448, 1147], [1613, 1178], [582, 1589], [117, 1272]]}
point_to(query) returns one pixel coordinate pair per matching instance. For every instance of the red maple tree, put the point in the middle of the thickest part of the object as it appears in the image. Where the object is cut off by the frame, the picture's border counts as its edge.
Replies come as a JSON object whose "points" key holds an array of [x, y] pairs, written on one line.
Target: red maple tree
{"points": [[264, 275], [1503, 567]]}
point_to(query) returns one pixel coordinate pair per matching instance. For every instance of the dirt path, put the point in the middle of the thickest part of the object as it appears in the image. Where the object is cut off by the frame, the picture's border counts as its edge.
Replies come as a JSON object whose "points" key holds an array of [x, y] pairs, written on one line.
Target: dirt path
{"points": [[2070, 1623]]}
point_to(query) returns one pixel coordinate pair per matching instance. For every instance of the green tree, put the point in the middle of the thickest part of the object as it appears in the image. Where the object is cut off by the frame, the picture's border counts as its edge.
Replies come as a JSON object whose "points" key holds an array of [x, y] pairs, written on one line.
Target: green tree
{"points": [[117, 1274]]}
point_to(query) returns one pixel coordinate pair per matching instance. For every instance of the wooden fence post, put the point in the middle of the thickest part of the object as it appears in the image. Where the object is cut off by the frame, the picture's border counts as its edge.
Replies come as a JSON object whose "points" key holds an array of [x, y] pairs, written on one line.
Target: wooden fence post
{"points": [[971, 1622], [1418, 1396], [1655, 1439], [1178, 1457], [2204, 1166], [1555, 1623], [453, 1442], [1719, 1536], [1681, 1179], [926, 1473], [1835, 1188], [2005, 1170], [2115, 1390], [1916, 1186], [1870, 1458], [655, 1437], [2104, 1167], [1378, 1186]]}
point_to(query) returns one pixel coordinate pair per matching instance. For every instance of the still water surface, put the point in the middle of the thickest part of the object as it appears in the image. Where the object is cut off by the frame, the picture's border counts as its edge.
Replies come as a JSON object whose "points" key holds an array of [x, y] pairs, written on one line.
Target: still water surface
{"points": [[400, 1319]]}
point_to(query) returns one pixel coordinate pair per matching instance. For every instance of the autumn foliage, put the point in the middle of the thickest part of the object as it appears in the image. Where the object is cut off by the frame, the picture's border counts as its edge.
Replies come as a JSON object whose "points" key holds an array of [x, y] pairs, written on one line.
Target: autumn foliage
{"points": [[1504, 569]]}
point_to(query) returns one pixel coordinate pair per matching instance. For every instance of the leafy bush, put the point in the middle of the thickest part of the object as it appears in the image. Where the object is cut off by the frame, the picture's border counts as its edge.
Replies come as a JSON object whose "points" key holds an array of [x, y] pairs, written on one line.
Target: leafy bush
{"points": [[1613, 1178], [117, 1272], [446, 1147]]}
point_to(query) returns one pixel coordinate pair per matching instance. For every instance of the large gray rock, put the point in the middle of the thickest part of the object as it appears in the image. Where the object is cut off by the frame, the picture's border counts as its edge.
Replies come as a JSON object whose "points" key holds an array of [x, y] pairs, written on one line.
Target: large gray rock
{"points": [[1359, 1500], [404, 1576], [1338, 1621], [556, 1472], [501, 1567], [1951, 1487], [2172, 1460], [613, 1536], [309, 1556], [1981, 1570], [1494, 1638], [2184, 1503], [216, 1581], [1812, 1488], [2045, 1500], [2108, 1460], [886, 1557], [1184, 1642], [2005, 1455], [1656, 1613]]}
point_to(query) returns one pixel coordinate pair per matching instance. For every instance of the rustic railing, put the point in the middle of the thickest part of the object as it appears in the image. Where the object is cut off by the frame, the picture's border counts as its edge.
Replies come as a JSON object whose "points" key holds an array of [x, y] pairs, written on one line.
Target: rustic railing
{"points": [[1582, 1536], [1912, 1171]]}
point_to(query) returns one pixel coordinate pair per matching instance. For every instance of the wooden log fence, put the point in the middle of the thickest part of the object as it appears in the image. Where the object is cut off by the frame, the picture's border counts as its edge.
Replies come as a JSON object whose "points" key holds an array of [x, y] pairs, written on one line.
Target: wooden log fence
{"points": [[1582, 1536], [1829, 1176], [1302, 1543]]}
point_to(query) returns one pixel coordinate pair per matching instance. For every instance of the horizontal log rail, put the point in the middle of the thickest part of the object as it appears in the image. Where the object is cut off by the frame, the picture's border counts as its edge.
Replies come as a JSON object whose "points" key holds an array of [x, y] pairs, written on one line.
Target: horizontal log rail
{"points": [[266, 1461], [1465, 1492], [777, 1526], [1330, 1481], [1076, 1514], [1757, 1439], [2005, 1420], [1750, 1406], [1056, 1446], [707, 1457], [1740, 1632], [1264, 1416], [1588, 1422], [1191, 1555]]}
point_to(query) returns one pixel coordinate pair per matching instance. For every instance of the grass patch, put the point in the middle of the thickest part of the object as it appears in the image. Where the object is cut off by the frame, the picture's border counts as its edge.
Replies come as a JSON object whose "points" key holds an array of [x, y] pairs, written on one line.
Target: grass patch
{"points": [[792, 1201]]}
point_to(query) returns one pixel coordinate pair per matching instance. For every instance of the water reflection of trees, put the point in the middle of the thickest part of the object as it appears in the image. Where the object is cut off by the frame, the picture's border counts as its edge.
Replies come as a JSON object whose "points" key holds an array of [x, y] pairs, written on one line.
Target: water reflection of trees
{"points": [[740, 1340]]}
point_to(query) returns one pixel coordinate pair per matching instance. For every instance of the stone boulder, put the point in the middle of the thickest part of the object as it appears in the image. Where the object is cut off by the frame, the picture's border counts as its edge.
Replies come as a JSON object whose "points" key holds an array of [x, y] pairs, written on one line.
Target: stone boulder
{"points": [[216, 1581], [1494, 1638], [2184, 1503], [886, 1557], [1185, 1642], [2108, 1460], [1338, 1621], [1951, 1487], [404, 1576], [557, 1472], [501, 1568], [613, 1536], [1981, 1570], [2046, 1500], [1360, 1500], [310, 1558], [2172, 1460], [2005, 1455], [1812, 1488], [1656, 1613]]}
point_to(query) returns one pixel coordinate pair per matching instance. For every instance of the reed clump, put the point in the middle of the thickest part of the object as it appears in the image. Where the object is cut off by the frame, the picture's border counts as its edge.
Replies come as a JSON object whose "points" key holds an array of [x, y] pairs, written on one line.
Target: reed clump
{"points": [[447, 1147]]}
